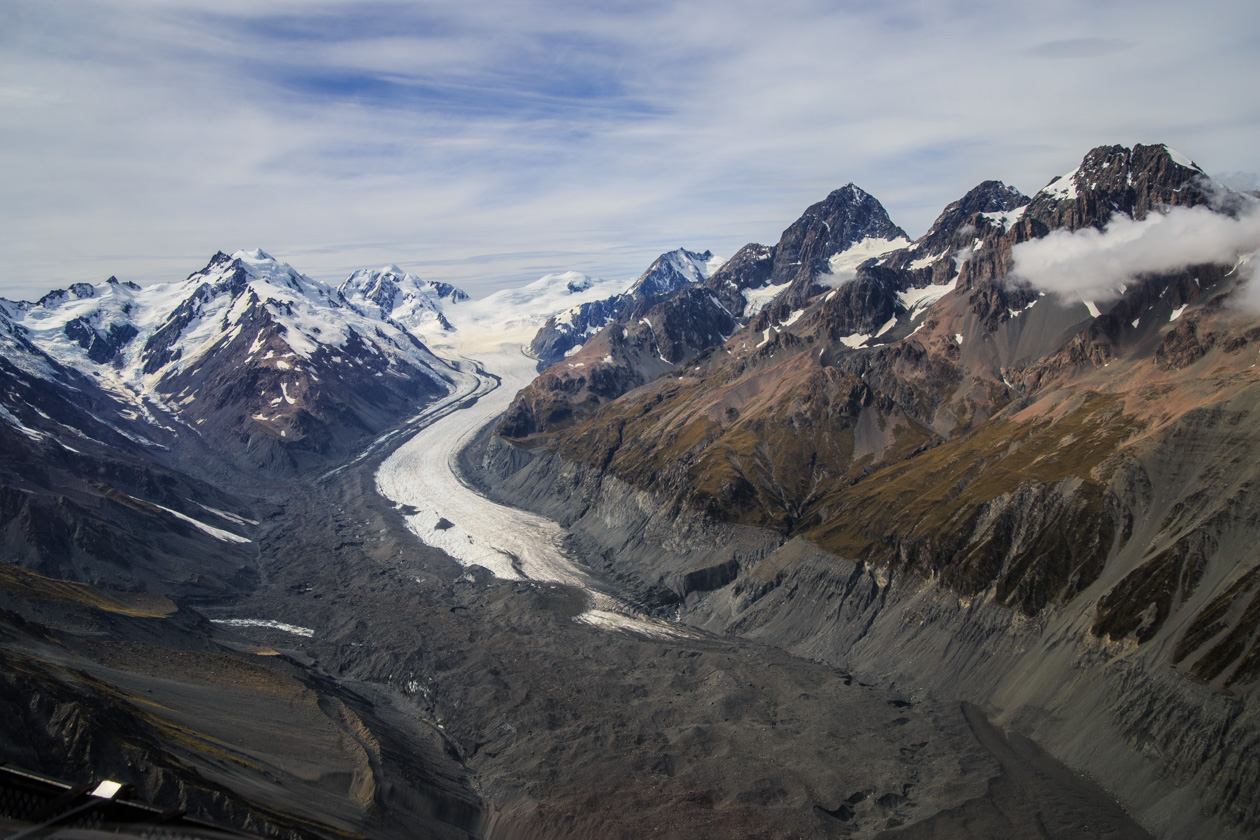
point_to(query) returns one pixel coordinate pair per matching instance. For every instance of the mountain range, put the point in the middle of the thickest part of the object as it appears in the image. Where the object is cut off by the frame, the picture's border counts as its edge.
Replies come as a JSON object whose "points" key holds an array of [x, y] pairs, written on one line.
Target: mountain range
{"points": [[1008, 463], [1045, 487]]}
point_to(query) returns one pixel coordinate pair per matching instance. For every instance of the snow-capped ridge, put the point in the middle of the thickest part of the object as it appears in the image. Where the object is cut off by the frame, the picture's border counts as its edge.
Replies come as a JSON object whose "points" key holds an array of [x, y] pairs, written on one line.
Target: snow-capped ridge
{"points": [[244, 317], [1180, 159], [669, 273], [672, 271]]}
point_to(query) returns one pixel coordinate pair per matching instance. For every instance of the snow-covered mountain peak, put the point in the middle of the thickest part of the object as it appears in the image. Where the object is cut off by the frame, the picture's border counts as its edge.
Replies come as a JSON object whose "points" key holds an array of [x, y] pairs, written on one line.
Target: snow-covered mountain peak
{"points": [[673, 270], [269, 276], [579, 284], [258, 255], [401, 296]]}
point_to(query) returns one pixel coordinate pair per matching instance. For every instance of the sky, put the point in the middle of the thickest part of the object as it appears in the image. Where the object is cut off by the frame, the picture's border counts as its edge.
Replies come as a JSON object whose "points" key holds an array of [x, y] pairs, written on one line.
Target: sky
{"points": [[489, 142]]}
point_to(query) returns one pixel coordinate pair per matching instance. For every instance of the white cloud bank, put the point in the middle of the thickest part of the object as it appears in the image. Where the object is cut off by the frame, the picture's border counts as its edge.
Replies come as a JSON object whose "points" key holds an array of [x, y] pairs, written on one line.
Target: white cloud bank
{"points": [[1098, 265]]}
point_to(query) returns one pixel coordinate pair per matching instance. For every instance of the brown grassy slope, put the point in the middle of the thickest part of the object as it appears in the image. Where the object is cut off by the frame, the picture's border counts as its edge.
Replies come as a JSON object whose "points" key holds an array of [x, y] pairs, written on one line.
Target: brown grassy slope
{"points": [[977, 463]]}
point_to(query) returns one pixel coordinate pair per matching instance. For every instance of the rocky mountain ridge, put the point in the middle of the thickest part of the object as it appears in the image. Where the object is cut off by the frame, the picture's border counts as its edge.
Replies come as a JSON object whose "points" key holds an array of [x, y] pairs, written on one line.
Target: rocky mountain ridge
{"points": [[277, 368], [760, 286], [565, 332], [953, 448]]}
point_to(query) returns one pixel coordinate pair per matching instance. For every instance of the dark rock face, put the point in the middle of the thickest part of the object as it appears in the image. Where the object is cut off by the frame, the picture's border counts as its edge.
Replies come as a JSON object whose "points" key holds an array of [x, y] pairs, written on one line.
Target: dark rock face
{"points": [[671, 313], [844, 218], [557, 338], [948, 234], [669, 273], [750, 268], [1115, 179], [101, 348]]}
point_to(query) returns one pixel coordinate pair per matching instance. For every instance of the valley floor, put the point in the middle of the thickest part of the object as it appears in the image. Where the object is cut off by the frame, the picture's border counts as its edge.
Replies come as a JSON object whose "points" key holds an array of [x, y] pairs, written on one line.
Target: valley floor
{"points": [[572, 726], [492, 684]]}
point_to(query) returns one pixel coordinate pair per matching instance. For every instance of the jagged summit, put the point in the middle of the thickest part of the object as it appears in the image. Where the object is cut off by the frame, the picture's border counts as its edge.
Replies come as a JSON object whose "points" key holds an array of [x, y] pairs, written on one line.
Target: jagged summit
{"points": [[845, 271], [672, 271], [668, 274], [992, 199], [844, 220], [1117, 179]]}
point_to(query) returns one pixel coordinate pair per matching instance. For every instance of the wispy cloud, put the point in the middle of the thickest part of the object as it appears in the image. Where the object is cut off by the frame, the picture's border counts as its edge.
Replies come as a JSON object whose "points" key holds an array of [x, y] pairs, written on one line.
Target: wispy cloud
{"points": [[1097, 265], [1079, 48], [138, 137]]}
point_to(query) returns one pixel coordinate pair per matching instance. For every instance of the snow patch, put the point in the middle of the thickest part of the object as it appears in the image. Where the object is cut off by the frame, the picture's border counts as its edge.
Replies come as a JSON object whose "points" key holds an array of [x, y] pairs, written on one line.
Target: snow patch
{"points": [[20, 426], [1006, 218], [1064, 188], [1180, 159], [919, 300], [217, 533], [608, 619], [265, 622], [756, 300], [230, 517], [844, 265]]}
